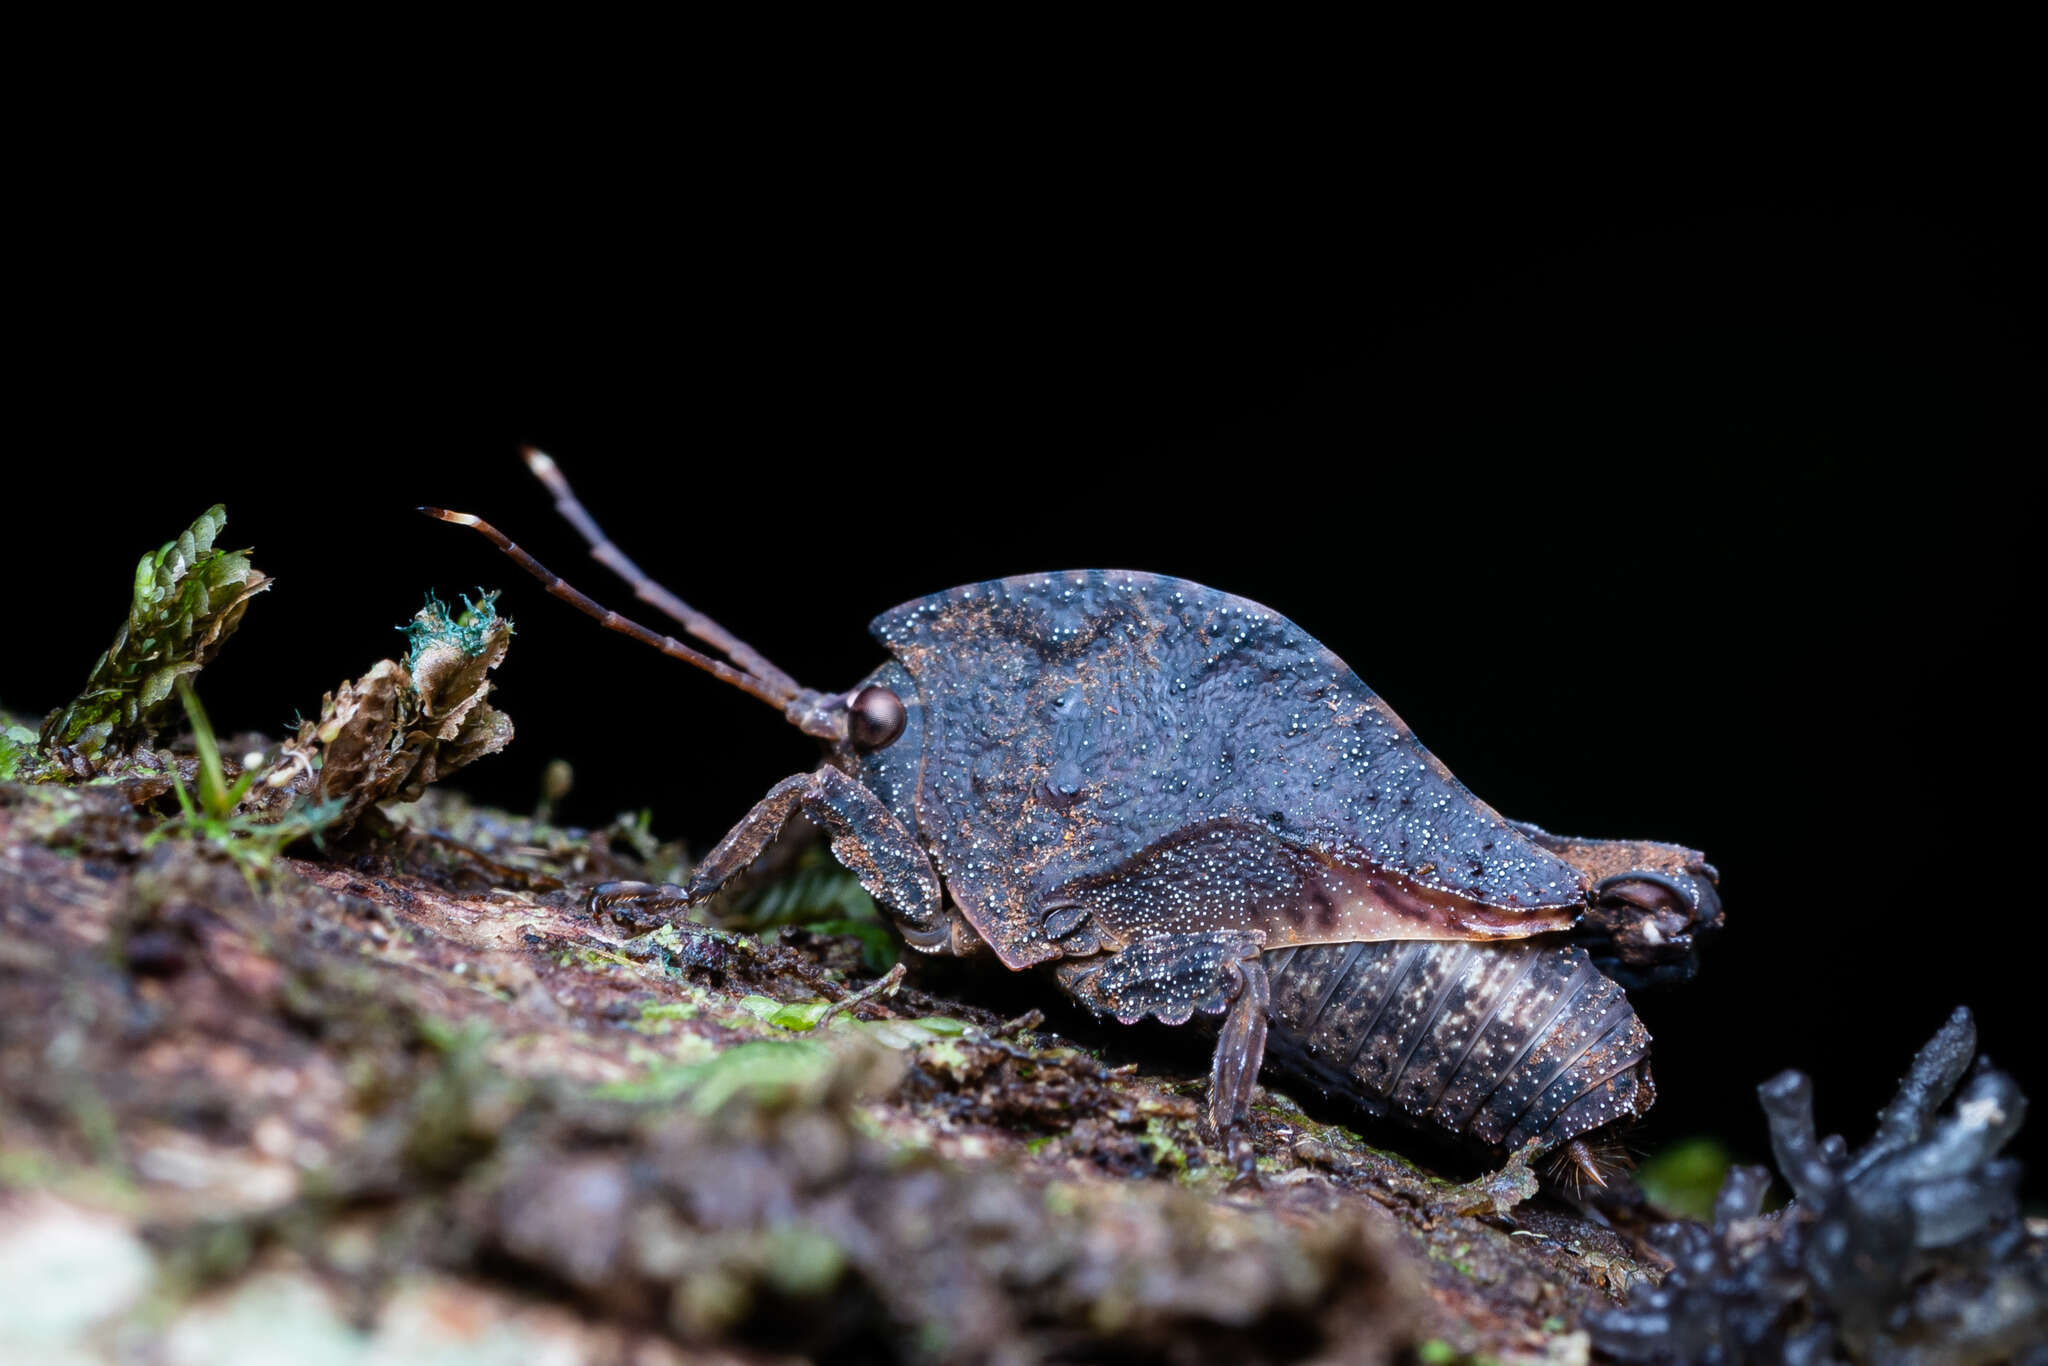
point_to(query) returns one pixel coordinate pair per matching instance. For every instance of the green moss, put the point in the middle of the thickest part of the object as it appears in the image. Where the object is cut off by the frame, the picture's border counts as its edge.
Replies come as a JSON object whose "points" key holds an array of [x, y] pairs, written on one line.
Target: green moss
{"points": [[46, 814], [187, 600], [17, 747], [659, 1017], [946, 1055], [212, 816], [593, 959], [937, 1034], [801, 1016], [1162, 1145], [1454, 1258], [765, 1071]]}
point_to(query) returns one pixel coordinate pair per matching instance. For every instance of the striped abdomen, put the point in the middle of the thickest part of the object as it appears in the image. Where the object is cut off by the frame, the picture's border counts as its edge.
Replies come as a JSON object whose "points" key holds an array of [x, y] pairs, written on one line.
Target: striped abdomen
{"points": [[1497, 1042]]}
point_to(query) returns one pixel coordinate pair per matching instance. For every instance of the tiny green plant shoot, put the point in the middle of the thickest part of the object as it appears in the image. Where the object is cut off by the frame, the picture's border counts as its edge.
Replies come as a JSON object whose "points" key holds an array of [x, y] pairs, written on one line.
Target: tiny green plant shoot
{"points": [[214, 817]]}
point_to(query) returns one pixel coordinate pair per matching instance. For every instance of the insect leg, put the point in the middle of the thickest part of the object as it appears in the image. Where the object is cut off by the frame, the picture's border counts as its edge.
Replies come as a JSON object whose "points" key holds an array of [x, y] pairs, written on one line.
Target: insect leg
{"points": [[745, 841], [643, 905], [645, 901], [1234, 1072], [866, 838], [869, 840], [1171, 976]]}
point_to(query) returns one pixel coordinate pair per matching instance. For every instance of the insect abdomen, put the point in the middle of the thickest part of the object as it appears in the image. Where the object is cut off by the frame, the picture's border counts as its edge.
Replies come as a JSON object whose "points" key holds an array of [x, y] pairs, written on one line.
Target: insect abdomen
{"points": [[1495, 1043]]}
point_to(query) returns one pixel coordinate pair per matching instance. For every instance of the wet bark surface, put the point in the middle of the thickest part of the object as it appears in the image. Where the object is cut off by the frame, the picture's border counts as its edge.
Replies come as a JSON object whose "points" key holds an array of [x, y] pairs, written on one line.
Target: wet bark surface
{"points": [[409, 1096]]}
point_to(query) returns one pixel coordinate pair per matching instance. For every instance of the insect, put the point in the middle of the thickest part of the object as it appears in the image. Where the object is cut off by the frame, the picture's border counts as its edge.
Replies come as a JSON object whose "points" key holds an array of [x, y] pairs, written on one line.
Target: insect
{"points": [[1181, 804]]}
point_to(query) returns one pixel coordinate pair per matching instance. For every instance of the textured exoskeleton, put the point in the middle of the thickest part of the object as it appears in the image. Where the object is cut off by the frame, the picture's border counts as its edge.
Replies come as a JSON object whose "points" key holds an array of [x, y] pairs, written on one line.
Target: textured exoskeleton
{"points": [[1183, 804]]}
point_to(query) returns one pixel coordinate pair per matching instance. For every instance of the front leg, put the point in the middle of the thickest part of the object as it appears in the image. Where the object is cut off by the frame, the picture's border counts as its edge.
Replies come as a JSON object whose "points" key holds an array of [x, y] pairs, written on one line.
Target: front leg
{"points": [[866, 838], [1170, 977]]}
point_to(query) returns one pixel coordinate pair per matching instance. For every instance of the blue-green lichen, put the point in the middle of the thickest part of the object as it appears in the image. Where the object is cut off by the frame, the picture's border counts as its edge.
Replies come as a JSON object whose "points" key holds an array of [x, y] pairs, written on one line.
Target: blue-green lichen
{"points": [[434, 626]]}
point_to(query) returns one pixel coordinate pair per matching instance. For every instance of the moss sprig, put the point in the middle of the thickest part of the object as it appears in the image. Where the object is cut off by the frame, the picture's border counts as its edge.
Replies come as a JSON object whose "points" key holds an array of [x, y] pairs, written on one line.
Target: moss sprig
{"points": [[188, 599]]}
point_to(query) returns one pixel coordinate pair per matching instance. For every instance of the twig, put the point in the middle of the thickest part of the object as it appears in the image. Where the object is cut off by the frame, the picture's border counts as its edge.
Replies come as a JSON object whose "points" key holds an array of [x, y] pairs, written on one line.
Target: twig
{"points": [[882, 986]]}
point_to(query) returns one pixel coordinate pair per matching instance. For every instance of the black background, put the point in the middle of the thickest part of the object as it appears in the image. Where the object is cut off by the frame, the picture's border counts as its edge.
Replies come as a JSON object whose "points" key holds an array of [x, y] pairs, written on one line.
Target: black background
{"points": [[1658, 501]]}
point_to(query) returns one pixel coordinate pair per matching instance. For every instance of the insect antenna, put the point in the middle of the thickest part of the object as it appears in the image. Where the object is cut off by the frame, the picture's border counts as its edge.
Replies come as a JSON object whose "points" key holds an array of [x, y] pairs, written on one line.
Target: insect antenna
{"points": [[644, 587], [776, 691]]}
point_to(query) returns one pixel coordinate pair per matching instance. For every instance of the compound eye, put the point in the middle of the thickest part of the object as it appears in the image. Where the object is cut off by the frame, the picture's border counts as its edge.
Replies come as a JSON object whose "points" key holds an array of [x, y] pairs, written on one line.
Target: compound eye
{"points": [[875, 719]]}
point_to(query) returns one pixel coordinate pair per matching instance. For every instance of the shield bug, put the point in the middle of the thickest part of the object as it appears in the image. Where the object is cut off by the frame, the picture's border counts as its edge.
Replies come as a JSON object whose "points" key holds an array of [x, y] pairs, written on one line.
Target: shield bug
{"points": [[1181, 804]]}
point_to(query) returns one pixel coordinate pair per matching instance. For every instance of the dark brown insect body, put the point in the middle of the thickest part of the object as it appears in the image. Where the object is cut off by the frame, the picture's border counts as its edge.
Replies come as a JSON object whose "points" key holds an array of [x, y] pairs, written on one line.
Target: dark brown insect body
{"points": [[1184, 804]]}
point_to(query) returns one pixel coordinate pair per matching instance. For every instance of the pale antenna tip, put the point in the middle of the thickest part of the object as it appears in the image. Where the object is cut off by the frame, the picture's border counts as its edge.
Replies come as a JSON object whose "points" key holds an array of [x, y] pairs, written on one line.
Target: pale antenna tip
{"points": [[539, 461]]}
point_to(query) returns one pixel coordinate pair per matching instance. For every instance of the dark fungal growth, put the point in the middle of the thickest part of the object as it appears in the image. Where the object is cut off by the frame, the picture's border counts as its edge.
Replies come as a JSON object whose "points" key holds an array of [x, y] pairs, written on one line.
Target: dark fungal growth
{"points": [[1910, 1249]]}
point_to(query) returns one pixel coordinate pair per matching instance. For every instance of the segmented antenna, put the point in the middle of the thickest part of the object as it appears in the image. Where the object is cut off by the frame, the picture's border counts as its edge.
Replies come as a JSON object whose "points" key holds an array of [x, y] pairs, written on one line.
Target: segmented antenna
{"points": [[776, 690], [645, 588]]}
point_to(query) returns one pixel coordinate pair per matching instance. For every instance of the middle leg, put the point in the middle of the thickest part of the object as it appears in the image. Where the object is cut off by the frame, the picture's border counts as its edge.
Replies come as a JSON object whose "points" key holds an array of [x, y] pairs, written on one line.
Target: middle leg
{"points": [[1170, 977]]}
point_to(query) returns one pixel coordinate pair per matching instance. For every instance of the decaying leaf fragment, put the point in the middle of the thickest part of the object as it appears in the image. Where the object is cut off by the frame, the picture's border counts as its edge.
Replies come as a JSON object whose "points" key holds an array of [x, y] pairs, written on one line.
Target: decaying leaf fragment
{"points": [[188, 599], [399, 727]]}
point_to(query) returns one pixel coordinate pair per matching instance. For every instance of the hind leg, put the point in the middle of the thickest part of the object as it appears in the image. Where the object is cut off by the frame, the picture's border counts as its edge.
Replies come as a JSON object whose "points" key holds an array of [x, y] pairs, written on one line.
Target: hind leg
{"points": [[1234, 1071]]}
